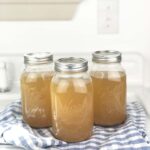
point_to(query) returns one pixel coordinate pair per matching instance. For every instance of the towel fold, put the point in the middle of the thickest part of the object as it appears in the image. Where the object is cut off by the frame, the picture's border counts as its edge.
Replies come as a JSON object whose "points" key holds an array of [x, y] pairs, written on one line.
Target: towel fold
{"points": [[129, 136]]}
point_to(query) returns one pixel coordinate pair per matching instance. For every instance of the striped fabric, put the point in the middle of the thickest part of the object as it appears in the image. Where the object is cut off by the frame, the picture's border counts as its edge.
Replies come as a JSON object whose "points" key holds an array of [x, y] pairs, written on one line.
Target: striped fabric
{"points": [[128, 136]]}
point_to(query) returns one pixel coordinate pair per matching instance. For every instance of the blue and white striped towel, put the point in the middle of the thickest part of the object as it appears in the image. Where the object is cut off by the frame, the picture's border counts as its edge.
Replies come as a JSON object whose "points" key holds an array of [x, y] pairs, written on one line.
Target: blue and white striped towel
{"points": [[128, 136]]}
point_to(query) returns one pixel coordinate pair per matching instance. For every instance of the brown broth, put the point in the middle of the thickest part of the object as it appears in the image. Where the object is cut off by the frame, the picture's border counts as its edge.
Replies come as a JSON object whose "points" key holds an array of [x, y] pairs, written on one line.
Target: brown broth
{"points": [[109, 97], [36, 99], [72, 105]]}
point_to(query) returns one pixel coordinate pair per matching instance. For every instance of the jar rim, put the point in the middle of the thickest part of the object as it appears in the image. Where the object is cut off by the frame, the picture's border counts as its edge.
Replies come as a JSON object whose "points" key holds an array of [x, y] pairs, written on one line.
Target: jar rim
{"points": [[71, 64], [107, 56], [38, 58]]}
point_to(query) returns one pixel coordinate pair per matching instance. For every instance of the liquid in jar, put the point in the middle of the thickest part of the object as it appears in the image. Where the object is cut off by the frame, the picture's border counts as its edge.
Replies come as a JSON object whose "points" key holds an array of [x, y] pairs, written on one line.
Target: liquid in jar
{"points": [[36, 99], [72, 105], [109, 97]]}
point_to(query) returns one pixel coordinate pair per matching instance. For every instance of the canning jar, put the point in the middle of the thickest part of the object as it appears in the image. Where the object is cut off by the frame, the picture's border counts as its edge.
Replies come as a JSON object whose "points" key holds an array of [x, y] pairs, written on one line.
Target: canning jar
{"points": [[35, 89], [109, 82], [72, 100]]}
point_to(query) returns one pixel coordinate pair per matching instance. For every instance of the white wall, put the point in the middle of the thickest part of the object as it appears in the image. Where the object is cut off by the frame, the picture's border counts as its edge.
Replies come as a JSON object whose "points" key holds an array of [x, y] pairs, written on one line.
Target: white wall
{"points": [[81, 33]]}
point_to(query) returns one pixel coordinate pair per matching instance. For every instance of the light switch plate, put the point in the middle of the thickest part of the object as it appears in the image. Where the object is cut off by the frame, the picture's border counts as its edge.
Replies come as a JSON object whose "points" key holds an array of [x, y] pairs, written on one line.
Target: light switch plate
{"points": [[108, 16]]}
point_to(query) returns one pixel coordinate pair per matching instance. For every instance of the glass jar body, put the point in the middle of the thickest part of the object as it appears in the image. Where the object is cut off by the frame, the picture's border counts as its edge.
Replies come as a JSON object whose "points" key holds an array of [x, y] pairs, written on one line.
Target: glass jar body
{"points": [[109, 82], [36, 96], [72, 106]]}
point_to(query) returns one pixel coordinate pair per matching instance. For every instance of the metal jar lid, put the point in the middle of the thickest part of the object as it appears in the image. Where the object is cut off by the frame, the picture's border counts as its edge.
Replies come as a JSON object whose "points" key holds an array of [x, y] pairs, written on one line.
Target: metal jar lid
{"points": [[71, 64], [107, 56], [38, 58]]}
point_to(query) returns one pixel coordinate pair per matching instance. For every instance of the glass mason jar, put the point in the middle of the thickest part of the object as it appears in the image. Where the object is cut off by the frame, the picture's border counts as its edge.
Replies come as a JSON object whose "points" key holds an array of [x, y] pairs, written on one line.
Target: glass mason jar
{"points": [[35, 89], [72, 100], [109, 82]]}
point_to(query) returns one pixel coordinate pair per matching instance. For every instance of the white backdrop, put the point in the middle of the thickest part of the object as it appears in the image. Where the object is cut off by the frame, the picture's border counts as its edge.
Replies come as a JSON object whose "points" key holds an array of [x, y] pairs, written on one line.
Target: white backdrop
{"points": [[81, 34]]}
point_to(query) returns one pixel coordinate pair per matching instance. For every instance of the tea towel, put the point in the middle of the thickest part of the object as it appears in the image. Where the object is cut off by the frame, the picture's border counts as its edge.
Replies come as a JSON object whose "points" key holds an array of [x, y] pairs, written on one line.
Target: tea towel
{"points": [[129, 136]]}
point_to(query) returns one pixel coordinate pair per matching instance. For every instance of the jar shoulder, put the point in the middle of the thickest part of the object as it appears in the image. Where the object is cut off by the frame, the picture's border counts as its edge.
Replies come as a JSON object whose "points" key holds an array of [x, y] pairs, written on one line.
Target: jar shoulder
{"points": [[109, 71], [36, 76], [38, 68], [115, 67], [74, 82]]}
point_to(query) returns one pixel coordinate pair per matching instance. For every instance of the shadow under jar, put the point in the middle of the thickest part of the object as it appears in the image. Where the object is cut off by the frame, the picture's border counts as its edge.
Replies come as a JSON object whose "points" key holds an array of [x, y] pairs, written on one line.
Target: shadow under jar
{"points": [[109, 82], [35, 89], [72, 100]]}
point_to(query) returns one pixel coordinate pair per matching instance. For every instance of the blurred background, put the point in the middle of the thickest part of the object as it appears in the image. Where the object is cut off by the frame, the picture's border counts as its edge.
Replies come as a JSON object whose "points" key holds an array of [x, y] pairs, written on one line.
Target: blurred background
{"points": [[128, 23]]}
